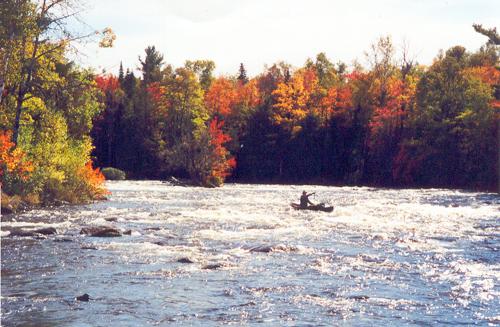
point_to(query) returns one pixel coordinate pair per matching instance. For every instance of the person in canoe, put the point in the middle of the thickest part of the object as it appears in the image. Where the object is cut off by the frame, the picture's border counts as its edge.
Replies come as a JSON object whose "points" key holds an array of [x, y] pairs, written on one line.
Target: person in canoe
{"points": [[304, 200], [306, 204]]}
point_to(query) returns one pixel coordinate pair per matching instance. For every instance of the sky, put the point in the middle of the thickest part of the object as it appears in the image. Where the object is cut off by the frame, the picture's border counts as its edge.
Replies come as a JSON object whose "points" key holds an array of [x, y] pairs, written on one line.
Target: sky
{"points": [[260, 32]]}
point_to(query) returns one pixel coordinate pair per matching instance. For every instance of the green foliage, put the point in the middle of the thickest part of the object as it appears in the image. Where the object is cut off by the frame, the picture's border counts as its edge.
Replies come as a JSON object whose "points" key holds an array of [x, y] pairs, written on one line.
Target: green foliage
{"points": [[113, 174], [453, 125], [151, 66], [397, 123], [58, 159], [49, 104]]}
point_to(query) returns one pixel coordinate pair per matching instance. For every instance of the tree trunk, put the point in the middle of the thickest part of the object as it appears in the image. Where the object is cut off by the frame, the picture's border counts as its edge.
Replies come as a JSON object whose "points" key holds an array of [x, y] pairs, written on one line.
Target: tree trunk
{"points": [[25, 86]]}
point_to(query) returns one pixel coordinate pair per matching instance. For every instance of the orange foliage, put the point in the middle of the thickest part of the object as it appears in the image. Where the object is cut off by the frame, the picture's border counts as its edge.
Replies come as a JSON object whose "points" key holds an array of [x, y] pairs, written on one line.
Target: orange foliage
{"points": [[344, 98], [337, 101], [221, 96], [327, 103], [13, 159], [94, 180], [221, 164], [310, 80], [356, 75], [399, 96], [487, 74], [107, 83], [248, 94]]}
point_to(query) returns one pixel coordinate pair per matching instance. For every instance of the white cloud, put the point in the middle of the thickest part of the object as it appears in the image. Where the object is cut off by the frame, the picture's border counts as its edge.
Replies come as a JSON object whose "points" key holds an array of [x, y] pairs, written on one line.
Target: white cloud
{"points": [[257, 32]]}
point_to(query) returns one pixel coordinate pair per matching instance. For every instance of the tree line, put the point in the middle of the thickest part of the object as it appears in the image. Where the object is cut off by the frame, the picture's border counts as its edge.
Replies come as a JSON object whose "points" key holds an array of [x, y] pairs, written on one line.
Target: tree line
{"points": [[394, 123]]}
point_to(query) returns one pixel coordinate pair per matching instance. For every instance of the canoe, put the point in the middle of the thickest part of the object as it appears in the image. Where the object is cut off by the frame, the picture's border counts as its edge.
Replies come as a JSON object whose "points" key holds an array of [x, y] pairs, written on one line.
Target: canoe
{"points": [[317, 207]]}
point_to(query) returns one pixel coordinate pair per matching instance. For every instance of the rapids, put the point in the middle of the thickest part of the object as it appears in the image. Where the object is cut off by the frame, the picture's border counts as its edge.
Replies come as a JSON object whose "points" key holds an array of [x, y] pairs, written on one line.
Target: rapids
{"points": [[382, 257]]}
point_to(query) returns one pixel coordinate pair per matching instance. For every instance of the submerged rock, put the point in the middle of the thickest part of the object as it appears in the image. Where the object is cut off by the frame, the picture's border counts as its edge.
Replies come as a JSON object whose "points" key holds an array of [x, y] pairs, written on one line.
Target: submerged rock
{"points": [[84, 298], [273, 248], [179, 182], [88, 247], [22, 233], [111, 219], [6, 209], [213, 266], [46, 231], [185, 260], [32, 233], [63, 240], [359, 297], [101, 231]]}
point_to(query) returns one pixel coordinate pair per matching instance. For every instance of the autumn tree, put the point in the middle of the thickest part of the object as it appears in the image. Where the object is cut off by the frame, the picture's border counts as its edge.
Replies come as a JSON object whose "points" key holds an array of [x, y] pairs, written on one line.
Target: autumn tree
{"points": [[221, 97], [107, 124], [204, 70], [453, 126]]}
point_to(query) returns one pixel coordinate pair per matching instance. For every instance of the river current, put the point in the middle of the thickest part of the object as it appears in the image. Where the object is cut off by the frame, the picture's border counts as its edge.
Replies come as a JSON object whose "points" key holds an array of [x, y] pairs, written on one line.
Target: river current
{"points": [[241, 255]]}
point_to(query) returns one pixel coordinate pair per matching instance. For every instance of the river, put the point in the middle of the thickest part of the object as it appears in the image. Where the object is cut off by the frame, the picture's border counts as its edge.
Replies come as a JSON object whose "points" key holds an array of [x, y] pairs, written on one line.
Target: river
{"points": [[382, 257]]}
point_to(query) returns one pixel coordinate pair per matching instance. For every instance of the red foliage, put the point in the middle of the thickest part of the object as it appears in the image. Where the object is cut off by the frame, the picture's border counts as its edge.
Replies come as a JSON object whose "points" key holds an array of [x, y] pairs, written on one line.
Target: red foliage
{"points": [[221, 163], [13, 159], [406, 165], [310, 80], [156, 91], [356, 75], [107, 83], [390, 115], [344, 98]]}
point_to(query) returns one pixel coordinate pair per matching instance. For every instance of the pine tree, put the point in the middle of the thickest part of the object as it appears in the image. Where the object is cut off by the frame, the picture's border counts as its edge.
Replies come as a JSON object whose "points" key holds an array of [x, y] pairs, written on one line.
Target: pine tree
{"points": [[151, 66], [120, 73], [242, 77]]}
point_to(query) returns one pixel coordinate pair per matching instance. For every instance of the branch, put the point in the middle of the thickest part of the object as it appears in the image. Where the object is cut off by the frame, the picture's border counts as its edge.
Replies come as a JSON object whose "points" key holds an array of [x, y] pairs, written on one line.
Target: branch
{"points": [[491, 33], [61, 44]]}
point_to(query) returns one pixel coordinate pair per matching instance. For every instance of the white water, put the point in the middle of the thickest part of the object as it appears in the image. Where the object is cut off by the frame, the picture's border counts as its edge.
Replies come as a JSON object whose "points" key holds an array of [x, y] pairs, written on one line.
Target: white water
{"points": [[382, 256]]}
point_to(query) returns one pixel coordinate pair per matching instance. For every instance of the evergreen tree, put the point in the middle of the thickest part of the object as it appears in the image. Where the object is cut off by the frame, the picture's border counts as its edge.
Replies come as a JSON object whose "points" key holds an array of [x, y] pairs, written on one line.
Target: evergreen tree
{"points": [[120, 73], [151, 66], [242, 77]]}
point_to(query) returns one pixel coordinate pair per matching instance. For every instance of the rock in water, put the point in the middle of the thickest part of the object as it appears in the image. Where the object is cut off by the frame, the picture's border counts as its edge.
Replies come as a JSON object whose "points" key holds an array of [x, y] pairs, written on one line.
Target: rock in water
{"points": [[185, 260], [88, 247], [84, 298], [213, 266], [273, 248], [101, 231], [32, 233], [22, 233], [46, 231]]}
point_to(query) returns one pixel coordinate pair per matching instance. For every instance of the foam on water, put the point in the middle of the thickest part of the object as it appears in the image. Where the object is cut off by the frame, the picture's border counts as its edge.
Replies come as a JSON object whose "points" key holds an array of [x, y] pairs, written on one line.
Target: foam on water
{"points": [[383, 256]]}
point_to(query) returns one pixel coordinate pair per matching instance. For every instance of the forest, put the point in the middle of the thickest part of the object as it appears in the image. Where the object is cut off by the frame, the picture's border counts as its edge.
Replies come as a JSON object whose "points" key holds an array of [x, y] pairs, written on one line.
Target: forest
{"points": [[393, 123]]}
